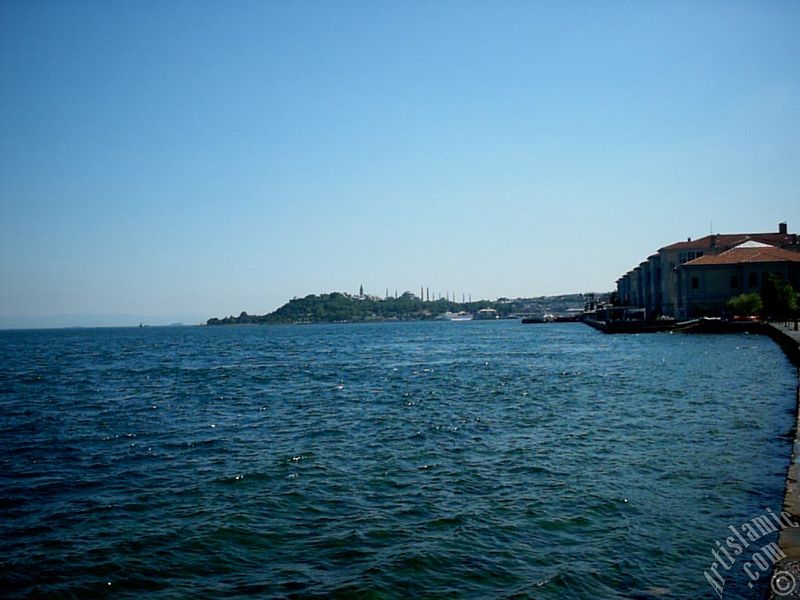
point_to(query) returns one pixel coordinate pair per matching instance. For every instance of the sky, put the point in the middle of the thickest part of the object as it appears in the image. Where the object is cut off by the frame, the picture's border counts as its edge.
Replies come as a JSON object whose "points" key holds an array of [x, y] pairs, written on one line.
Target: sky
{"points": [[172, 161]]}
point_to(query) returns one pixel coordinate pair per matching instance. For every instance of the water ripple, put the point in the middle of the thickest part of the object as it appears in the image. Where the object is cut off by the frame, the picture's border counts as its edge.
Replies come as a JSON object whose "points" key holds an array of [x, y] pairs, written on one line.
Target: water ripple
{"points": [[483, 460]]}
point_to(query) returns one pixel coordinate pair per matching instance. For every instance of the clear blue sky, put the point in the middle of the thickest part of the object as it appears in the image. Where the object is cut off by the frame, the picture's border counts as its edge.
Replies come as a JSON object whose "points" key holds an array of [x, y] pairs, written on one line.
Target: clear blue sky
{"points": [[180, 160]]}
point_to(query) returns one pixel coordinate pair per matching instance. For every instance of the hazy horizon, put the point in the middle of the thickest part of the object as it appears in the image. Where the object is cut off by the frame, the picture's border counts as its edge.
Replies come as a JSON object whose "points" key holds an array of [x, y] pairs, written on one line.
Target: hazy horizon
{"points": [[66, 321], [178, 161]]}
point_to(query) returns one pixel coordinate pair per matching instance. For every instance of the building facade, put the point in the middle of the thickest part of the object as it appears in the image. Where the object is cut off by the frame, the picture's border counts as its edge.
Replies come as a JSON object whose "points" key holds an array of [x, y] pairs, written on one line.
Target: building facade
{"points": [[706, 284], [656, 283]]}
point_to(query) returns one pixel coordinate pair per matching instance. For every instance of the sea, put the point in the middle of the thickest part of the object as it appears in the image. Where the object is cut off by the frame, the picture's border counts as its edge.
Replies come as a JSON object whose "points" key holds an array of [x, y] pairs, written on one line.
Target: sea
{"points": [[387, 460]]}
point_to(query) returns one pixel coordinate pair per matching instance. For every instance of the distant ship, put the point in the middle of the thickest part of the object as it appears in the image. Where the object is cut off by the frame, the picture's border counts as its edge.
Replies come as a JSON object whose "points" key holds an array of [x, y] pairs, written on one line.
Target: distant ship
{"points": [[546, 318], [485, 314], [459, 316]]}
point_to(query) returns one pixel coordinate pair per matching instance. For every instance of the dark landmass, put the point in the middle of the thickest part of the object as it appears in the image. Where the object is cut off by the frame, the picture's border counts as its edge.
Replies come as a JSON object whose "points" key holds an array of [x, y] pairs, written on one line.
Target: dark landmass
{"points": [[344, 308]]}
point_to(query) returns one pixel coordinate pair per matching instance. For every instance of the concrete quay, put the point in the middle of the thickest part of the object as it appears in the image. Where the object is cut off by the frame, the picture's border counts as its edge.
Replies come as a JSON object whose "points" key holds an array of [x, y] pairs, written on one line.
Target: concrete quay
{"points": [[785, 580]]}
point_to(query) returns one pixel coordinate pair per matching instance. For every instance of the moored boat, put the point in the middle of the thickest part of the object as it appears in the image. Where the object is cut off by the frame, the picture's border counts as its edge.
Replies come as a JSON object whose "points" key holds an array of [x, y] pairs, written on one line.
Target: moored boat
{"points": [[545, 318], [459, 316]]}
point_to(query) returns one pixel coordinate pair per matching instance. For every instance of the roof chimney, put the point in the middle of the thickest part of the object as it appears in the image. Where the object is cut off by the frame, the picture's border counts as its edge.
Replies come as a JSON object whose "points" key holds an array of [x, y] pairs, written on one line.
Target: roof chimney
{"points": [[782, 228], [713, 241]]}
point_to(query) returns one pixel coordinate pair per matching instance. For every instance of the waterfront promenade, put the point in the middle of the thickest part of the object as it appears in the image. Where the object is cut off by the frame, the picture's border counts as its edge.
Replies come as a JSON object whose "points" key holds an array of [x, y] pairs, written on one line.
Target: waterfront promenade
{"points": [[788, 569]]}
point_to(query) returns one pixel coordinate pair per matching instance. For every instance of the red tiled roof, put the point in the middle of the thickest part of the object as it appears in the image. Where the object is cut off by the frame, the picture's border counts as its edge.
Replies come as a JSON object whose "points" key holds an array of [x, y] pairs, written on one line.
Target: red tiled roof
{"points": [[729, 240], [736, 256]]}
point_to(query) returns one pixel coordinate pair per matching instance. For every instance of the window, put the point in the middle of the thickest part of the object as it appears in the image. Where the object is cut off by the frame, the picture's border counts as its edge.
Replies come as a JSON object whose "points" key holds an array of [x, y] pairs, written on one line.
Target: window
{"points": [[695, 283], [753, 280], [734, 282]]}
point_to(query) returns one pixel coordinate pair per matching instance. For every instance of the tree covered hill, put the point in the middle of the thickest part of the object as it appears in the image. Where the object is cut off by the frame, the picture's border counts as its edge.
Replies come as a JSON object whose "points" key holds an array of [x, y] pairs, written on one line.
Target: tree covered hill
{"points": [[339, 308]]}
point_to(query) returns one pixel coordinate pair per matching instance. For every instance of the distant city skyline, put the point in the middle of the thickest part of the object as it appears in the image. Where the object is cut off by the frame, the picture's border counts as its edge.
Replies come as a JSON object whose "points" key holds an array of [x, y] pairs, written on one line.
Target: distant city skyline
{"points": [[172, 161]]}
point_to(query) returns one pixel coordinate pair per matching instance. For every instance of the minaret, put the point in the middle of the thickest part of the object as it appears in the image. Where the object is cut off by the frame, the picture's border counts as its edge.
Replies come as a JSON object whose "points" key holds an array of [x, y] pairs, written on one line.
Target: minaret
{"points": [[361, 291]]}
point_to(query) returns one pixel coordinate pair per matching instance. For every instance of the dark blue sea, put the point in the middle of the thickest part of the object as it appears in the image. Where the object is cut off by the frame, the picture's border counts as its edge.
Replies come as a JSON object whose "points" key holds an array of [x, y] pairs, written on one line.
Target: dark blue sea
{"points": [[398, 460]]}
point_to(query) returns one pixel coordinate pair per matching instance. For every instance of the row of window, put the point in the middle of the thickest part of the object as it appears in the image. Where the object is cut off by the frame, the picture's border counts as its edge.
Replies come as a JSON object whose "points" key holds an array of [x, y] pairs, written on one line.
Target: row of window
{"points": [[752, 281], [687, 256]]}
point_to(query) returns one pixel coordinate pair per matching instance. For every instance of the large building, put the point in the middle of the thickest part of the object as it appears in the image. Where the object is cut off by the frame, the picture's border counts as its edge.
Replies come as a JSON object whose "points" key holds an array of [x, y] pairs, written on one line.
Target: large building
{"points": [[656, 284], [706, 284]]}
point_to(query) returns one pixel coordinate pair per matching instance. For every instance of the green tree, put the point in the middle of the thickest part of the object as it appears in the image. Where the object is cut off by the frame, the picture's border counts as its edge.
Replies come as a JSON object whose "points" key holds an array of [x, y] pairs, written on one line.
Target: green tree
{"points": [[745, 304], [779, 298]]}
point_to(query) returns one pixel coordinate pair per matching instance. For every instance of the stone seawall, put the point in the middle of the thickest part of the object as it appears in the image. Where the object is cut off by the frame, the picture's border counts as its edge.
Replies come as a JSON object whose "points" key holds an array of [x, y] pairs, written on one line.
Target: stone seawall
{"points": [[785, 581], [788, 338]]}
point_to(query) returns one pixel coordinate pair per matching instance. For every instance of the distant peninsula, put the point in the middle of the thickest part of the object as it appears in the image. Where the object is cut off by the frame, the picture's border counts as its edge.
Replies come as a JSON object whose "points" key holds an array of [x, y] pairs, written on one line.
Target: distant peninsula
{"points": [[338, 307]]}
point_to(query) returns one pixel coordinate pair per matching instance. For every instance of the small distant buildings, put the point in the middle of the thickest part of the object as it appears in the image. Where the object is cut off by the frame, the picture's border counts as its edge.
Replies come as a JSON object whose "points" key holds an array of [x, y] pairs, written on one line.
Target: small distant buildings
{"points": [[362, 296], [697, 277]]}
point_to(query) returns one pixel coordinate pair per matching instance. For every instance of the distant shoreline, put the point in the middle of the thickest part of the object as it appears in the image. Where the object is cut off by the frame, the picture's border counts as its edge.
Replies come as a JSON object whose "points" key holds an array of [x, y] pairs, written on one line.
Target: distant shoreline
{"points": [[338, 307]]}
